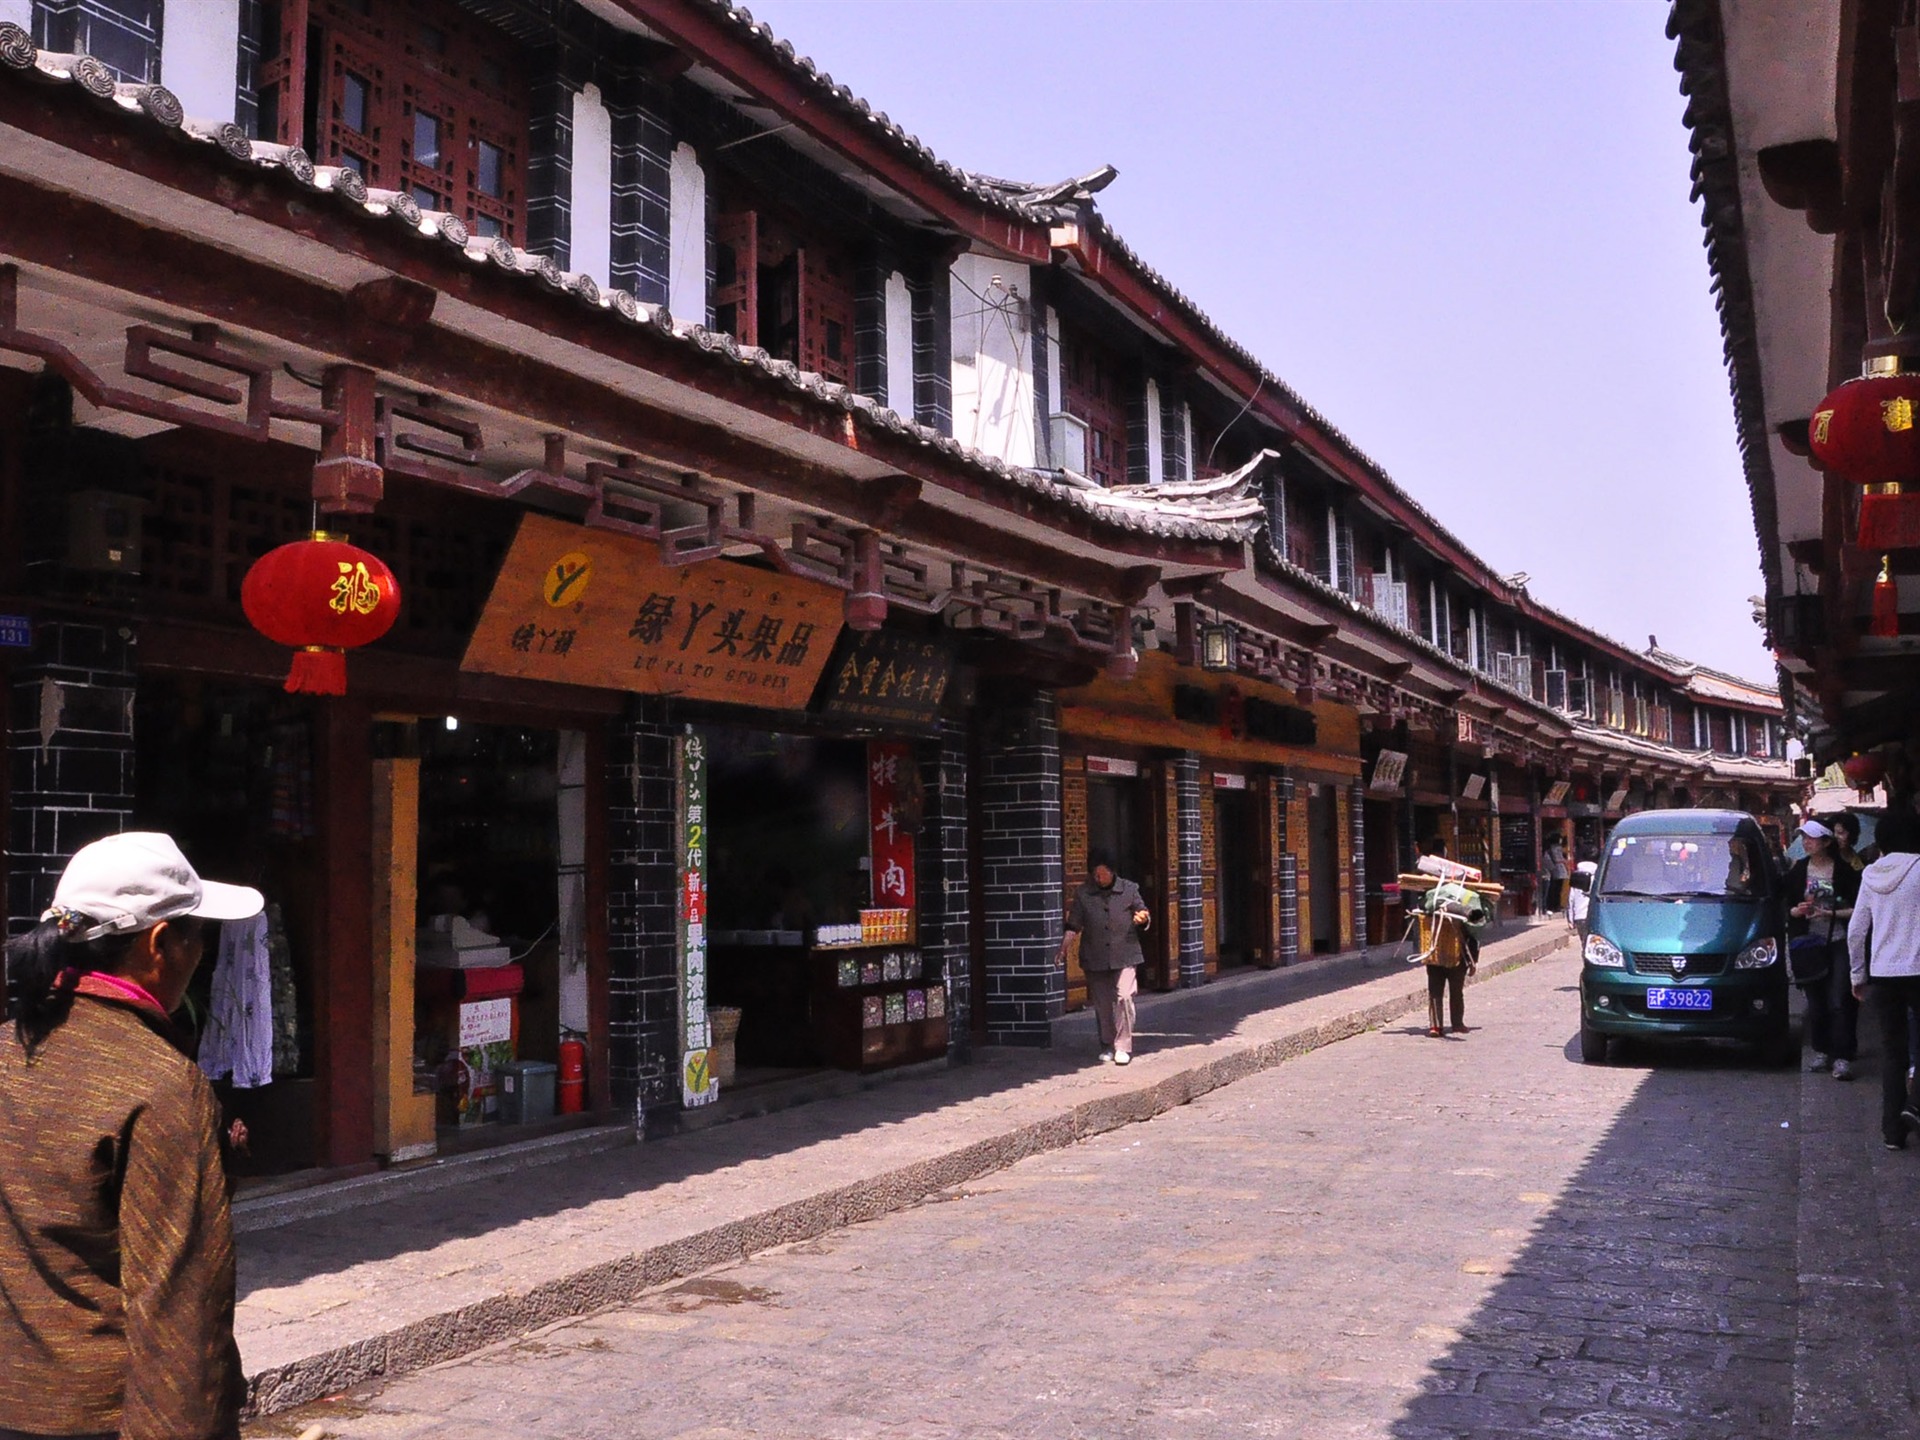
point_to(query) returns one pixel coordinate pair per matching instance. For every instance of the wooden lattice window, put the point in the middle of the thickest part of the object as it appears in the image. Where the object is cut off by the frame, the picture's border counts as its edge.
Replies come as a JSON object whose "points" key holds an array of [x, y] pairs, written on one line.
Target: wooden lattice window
{"points": [[1092, 388], [418, 96], [788, 292]]}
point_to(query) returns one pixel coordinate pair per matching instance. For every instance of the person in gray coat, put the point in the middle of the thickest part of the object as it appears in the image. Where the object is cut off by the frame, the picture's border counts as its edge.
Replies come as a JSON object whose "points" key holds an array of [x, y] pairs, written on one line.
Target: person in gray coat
{"points": [[1883, 942], [1108, 914]]}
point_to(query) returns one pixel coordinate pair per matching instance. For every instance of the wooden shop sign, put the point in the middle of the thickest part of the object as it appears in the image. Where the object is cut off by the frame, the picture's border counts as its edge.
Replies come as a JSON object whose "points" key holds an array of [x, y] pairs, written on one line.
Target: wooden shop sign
{"points": [[589, 607], [887, 680]]}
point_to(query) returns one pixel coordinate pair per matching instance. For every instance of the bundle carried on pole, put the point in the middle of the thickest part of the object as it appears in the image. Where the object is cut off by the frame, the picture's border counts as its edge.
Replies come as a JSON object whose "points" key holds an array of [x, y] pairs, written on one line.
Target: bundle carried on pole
{"points": [[1446, 911]]}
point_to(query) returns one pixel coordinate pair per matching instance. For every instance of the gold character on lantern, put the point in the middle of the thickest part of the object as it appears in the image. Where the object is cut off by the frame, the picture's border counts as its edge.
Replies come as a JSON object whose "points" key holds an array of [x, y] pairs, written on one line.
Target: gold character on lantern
{"points": [[1897, 415], [355, 591], [1822, 422]]}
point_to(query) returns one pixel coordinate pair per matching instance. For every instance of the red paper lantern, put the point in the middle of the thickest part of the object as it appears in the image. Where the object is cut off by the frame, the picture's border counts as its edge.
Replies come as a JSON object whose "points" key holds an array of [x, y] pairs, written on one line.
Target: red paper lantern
{"points": [[1868, 430], [321, 597], [1863, 772]]}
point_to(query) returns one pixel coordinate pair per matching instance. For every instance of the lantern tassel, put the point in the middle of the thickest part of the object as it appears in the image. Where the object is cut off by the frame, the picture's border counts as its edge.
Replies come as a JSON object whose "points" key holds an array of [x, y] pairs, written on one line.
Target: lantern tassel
{"points": [[318, 671], [1885, 623]]}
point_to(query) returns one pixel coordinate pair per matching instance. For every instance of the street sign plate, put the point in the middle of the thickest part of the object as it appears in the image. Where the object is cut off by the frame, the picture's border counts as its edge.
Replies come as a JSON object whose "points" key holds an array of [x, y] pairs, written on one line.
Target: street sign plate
{"points": [[16, 632]]}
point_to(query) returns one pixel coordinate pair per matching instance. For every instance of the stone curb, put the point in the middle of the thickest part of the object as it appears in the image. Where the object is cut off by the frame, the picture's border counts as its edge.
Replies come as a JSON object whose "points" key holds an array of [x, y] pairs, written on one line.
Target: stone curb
{"points": [[472, 1327]]}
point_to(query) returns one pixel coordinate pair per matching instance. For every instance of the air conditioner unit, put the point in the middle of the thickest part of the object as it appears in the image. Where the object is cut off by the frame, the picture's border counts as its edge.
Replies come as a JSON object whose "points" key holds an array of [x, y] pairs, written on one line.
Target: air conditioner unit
{"points": [[1067, 437]]}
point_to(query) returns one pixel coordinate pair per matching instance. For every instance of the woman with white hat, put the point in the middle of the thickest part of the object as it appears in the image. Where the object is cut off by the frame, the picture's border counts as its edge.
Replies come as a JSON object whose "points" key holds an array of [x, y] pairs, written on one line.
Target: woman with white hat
{"points": [[116, 1246], [1820, 891]]}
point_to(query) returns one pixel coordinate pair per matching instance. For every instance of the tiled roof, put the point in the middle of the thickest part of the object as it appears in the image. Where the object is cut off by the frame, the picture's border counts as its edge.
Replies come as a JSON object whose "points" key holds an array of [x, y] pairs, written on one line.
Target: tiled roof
{"points": [[155, 105], [1699, 56], [840, 98]]}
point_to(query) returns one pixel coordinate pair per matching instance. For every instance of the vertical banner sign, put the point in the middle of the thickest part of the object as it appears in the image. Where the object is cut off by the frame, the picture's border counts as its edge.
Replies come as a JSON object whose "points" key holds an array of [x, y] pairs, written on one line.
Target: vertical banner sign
{"points": [[697, 1086], [891, 785]]}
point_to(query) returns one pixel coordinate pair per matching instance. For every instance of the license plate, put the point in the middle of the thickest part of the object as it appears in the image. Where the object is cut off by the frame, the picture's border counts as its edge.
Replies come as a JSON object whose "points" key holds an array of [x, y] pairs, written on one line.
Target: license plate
{"points": [[1669, 997]]}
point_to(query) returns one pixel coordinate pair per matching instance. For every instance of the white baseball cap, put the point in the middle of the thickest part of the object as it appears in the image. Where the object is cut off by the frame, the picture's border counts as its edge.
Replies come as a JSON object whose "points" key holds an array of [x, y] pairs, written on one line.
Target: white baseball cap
{"points": [[1816, 830], [135, 880]]}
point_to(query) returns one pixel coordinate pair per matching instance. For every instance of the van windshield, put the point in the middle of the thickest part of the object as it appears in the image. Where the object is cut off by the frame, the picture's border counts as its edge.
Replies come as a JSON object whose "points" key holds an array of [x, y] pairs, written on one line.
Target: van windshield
{"points": [[1707, 867]]}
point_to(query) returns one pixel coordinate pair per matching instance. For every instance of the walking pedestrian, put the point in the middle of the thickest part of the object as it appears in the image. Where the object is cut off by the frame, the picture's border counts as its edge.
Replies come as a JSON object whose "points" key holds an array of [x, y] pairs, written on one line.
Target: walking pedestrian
{"points": [[1108, 914], [116, 1245], [1555, 858], [1883, 943], [1821, 889]]}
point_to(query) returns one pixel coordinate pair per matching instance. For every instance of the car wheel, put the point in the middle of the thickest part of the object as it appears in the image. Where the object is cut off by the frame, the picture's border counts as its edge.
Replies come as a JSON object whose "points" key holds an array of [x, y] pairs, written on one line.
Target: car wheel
{"points": [[1593, 1046]]}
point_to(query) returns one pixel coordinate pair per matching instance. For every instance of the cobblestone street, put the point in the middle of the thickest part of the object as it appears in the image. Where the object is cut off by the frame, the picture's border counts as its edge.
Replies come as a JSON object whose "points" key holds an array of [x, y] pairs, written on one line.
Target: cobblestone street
{"points": [[1393, 1236]]}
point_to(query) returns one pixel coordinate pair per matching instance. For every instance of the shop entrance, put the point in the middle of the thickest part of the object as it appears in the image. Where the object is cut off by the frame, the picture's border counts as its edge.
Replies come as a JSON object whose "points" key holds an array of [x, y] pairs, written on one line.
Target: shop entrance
{"points": [[813, 948], [1237, 862], [1323, 867], [787, 817], [228, 771], [1123, 819], [501, 965]]}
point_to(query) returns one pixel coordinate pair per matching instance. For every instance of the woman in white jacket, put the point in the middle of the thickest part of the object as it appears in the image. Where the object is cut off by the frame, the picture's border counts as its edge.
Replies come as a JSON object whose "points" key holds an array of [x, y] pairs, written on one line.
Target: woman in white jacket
{"points": [[1883, 941]]}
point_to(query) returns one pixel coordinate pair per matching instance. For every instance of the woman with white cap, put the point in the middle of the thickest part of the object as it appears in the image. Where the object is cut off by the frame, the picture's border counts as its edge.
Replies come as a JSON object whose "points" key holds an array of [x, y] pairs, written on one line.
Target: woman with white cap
{"points": [[116, 1246], [1821, 890]]}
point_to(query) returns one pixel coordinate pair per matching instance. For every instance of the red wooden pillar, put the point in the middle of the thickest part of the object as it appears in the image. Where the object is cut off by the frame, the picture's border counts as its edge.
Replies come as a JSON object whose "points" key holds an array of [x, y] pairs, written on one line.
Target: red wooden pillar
{"points": [[343, 978]]}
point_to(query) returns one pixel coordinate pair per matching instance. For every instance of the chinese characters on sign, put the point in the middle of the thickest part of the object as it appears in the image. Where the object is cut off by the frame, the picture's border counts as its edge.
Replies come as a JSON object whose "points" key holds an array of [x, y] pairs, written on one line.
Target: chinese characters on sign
{"points": [[589, 607], [1557, 793], [892, 811], [1389, 772], [697, 1086], [881, 677], [1472, 786]]}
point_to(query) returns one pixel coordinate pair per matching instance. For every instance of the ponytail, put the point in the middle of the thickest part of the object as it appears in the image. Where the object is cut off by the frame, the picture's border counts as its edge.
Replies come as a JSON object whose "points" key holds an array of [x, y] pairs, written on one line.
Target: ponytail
{"points": [[44, 967]]}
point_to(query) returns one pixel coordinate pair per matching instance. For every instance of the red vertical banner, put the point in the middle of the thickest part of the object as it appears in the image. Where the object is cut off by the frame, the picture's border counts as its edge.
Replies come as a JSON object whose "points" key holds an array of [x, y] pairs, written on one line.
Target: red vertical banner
{"points": [[892, 788]]}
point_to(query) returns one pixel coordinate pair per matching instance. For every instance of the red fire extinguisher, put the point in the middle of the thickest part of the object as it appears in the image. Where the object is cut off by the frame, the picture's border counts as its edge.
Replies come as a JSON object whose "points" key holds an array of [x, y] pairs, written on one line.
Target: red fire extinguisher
{"points": [[572, 1086]]}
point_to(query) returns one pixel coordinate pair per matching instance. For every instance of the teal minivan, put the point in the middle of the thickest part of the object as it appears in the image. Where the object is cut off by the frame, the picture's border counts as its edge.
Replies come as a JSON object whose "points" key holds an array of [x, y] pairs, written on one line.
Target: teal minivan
{"points": [[1685, 935]]}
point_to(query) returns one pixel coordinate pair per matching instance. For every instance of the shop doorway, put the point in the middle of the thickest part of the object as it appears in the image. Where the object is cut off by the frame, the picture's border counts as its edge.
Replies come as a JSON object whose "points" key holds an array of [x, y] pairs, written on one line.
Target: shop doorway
{"points": [[1323, 867], [1383, 869], [501, 974], [1123, 819], [1237, 867], [228, 771]]}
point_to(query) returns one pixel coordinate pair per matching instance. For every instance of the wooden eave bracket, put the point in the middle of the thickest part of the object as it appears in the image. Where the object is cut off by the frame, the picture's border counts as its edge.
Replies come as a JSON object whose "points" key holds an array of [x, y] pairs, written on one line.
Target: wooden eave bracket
{"points": [[1805, 175]]}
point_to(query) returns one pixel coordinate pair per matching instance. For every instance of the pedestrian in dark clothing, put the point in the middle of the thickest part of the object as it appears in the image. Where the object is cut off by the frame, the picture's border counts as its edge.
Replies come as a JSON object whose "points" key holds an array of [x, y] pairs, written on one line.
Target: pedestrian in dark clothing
{"points": [[116, 1246], [1820, 892], [1555, 859], [1108, 914], [1883, 942]]}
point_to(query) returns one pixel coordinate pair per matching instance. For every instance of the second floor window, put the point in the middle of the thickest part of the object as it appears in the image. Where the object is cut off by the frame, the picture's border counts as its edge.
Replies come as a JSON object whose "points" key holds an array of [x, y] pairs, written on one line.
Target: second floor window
{"points": [[417, 97], [789, 293], [1093, 388]]}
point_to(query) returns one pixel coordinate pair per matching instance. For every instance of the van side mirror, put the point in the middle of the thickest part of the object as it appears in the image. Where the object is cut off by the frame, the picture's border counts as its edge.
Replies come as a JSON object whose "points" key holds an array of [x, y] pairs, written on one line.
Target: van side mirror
{"points": [[1580, 880]]}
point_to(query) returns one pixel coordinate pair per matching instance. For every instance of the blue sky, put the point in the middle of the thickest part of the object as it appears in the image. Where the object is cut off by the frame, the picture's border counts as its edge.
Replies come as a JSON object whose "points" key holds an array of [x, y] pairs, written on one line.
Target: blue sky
{"points": [[1459, 228]]}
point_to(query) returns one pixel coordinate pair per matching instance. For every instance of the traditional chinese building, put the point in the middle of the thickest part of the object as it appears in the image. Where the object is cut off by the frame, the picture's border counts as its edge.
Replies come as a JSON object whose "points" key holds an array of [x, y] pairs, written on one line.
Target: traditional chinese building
{"points": [[807, 549]]}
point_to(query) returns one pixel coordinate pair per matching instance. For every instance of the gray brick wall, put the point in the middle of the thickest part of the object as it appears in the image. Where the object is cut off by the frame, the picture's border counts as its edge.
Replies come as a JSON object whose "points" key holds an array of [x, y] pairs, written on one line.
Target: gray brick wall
{"points": [[642, 152], [1357, 833], [1289, 876], [1192, 880], [944, 884], [1021, 875], [70, 753], [643, 981], [931, 289]]}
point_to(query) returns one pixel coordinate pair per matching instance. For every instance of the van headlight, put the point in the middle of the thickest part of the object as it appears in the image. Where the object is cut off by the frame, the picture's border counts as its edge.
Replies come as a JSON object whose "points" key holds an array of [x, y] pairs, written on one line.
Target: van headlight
{"points": [[1603, 952], [1758, 955]]}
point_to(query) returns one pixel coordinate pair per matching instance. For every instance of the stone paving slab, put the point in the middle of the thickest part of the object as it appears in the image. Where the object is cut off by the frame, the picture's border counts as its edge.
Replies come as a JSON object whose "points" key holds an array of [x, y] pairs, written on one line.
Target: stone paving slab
{"points": [[369, 1293]]}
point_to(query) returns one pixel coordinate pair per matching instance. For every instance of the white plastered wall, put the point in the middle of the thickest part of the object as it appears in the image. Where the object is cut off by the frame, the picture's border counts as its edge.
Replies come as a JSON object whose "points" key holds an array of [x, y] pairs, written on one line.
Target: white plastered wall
{"points": [[687, 236], [1156, 436], [993, 358], [899, 301], [590, 206], [199, 54]]}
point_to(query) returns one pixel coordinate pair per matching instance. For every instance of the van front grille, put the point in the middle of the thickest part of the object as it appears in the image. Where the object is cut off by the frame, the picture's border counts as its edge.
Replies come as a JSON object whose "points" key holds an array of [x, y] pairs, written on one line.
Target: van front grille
{"points": [[1669, 964]]}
